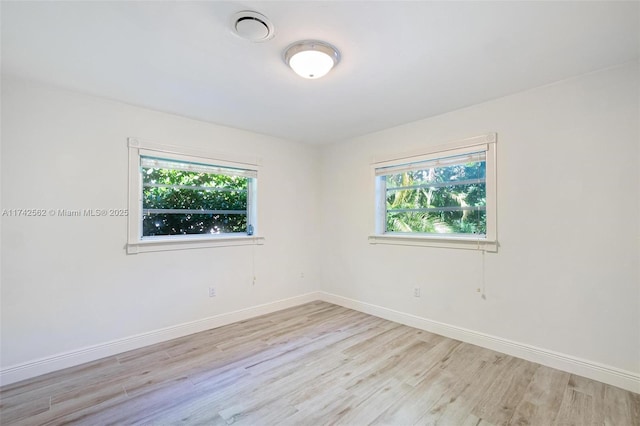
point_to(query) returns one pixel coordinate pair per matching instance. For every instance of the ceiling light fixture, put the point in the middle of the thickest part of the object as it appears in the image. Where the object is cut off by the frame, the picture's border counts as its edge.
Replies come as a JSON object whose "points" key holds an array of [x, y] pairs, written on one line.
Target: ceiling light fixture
{"points": [[311, 58]]}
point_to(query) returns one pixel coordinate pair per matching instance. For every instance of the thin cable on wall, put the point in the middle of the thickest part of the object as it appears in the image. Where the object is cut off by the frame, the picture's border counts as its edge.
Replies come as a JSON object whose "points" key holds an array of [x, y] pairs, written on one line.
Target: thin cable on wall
{"points": [[253, 264], [484, 295], [482, 287]]}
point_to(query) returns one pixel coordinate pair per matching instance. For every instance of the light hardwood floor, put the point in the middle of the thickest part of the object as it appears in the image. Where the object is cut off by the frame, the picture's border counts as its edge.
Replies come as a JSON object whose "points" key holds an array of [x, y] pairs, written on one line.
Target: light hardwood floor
{"points": [[315, 364]]}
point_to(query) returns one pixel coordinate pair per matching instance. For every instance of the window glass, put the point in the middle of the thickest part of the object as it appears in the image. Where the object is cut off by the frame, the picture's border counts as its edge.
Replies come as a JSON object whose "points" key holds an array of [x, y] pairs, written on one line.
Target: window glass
{"points": [[181, 198], [442, 196]]}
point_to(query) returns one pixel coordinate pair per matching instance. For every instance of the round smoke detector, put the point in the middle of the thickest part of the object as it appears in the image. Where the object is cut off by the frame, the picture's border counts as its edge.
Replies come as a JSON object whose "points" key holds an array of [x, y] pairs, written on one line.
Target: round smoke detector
{"points": [[252, 26]]}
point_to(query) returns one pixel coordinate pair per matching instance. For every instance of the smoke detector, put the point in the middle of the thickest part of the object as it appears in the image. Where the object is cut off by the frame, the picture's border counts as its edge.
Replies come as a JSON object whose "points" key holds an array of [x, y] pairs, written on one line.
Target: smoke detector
{"points": [[252, 26]]}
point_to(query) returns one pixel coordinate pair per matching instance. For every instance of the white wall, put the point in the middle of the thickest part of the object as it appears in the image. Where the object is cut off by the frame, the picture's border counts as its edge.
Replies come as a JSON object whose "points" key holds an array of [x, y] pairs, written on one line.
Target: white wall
{"points": [[566, 277], [67, 282]]}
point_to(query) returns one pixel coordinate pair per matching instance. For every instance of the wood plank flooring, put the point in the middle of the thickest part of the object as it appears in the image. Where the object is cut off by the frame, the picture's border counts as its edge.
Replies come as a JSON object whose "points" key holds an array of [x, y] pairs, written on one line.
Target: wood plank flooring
{"points": [[315, 364]]}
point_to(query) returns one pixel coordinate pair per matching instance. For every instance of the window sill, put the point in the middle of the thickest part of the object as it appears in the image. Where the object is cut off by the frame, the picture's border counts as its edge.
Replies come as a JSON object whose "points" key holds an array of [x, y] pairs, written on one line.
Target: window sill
{"points": [[191, 242], [464, 243]]}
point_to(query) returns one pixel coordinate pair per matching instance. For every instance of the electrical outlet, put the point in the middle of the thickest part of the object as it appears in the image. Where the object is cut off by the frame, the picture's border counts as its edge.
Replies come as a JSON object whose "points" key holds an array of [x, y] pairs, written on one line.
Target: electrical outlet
{"points": [[212, 292], [416, 292]]}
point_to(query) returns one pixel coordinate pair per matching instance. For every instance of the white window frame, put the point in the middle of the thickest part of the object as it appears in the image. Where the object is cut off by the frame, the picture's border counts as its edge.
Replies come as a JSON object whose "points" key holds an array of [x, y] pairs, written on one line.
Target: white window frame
{"points": [[136, 243], [488, 242]]}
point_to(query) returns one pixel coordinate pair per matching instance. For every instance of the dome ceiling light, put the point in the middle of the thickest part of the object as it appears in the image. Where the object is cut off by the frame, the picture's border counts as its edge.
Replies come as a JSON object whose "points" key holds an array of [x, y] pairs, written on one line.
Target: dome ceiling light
{"points": [[311, 58], [252, 26]]}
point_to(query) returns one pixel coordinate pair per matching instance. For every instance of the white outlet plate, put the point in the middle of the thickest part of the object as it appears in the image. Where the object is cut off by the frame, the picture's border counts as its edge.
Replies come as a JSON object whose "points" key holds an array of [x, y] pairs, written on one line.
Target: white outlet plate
{"points": [[212, 292], [416, 292]]}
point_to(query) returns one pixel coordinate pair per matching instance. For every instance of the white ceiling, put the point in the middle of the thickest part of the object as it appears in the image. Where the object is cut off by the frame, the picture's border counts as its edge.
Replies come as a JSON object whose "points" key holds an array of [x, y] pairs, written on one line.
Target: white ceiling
{"points": [[401, 61]]}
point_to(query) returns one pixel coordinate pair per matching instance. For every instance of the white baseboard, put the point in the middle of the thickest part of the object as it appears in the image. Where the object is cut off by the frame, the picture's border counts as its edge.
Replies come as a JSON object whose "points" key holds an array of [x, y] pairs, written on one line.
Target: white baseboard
{"points": [[37, 367], [593, 370]]}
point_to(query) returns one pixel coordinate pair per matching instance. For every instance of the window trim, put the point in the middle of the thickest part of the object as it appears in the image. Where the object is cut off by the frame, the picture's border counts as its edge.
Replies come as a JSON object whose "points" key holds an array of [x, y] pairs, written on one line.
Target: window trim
{"points": [[135, 242], [486, 142]]}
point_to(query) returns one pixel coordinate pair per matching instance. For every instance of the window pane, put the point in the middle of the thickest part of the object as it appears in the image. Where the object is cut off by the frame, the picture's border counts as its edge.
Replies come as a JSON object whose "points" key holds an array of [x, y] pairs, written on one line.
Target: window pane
{"points": [[171, 198], [450, 222], [177, 200], [438, 200], [180, 224], [454, 160], [435, 175], [462, 196]]}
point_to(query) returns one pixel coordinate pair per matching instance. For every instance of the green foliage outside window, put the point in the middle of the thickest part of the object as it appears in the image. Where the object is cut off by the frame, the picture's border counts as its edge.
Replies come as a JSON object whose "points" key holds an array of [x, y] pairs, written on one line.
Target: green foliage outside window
{"points": [[440, 200], [221, 198]]}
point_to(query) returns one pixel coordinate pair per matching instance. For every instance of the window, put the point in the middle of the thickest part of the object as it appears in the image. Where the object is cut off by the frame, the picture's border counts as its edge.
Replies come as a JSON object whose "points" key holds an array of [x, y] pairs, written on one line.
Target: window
{"points": [[181, 198], [443, 196], [189, 200]]}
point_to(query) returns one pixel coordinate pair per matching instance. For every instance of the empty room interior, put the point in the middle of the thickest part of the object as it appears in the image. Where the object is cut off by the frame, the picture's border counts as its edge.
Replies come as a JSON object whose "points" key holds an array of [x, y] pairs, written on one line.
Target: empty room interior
{"points": [[320, 212]]}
